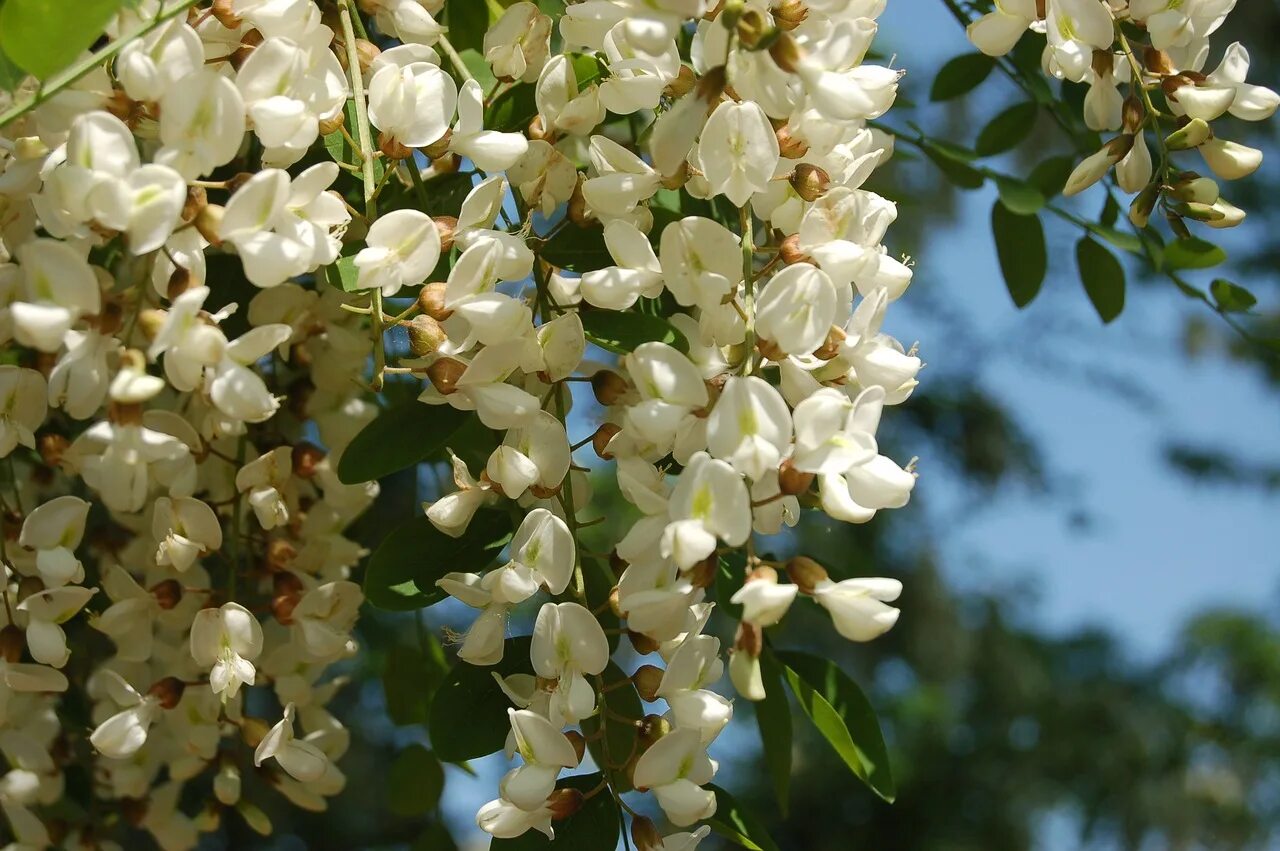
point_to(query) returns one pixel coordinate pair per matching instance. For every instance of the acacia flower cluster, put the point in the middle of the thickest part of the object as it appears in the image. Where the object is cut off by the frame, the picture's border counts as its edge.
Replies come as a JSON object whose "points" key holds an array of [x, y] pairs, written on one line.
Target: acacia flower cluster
{"points": [[1158, 50], [232, 228]]}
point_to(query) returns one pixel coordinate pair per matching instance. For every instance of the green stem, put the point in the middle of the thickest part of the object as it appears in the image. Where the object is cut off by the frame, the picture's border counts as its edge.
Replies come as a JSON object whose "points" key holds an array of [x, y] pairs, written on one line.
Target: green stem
{"points": [[454, 57], [749, 278], [362, 111], [70, 75]]}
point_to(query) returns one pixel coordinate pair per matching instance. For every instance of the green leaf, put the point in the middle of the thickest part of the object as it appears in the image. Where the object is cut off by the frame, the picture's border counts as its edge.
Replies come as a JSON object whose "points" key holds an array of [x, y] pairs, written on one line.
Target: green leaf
{"points": [[773, 717], [1102, 276], [1231, 298], [414, 782], [468, 716], [1020, 245], [11, 76], [738, 824], [1193, 253], [578, 249], [622, 698], [1124, 240], [1007, 129], [479, 68], [593, 828], [960, 75], [1050, 176], [843, 715], [467, 23], [1019, 197], [402, 572], [953, 168], [409, 680], [621, 332], [400, 437], [45, 36]]}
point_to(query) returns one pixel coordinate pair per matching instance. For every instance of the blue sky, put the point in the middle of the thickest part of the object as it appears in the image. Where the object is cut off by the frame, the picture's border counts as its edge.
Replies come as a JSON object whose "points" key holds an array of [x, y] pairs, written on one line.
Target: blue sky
{"points": [[1158, 547]]}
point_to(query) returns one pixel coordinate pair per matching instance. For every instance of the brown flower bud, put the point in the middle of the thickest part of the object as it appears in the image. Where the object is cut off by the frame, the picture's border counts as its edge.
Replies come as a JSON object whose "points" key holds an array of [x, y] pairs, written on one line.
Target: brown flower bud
{"points": [[615, 605], [253, 731], [678, 179], [179, 282], [577, 210], [651, 729], [282, 606], [538, 132], [1158, 62], [431, 301], [609, 387], [711, 85], [544, 492], [643, 644], [756, 30], [647, 679], [426, 336], [150, 321], [197, 198], [392, 147], [789, 145], [770, 349], [684, 82], [12, 642], [168, 594], [168, 692], [1143, 205], [806, 573], [120, 414], [332, 124], [830, 347], [208, 222], [133, 811], [790, 251], [446, 226], [749, 638], [600, 440], [792, 481], [366, 53], [645, 835], [578, 741], [52, 448], [703, 574], [439, 149], [564, 803], [810, 182], [224, 12], [786, 53], [790, 14], [445, 374], [280, 554], [1133, 115]]}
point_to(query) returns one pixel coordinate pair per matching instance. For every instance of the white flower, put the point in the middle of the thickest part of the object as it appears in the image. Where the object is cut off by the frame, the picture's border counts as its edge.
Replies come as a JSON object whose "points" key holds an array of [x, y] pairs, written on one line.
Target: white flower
{"points": [[46, 611], [693, 667], [202, 124], [517, 45], [490, 150], [1251, 103], [738, 152], [413, 104], [750, 426], [123, 734], [452, 513], [54, 530], [23, 407], [709, 502], [568, 645], [1075, 29], [302, 760], [545, 751], [186, 529], [402, 249], [859, 607], [834, 433], [637, 274], [502, 819], [797, 308], [228, 640], [674, 769], [58, 287], [764, 601], [535, 454], [996, 32]]}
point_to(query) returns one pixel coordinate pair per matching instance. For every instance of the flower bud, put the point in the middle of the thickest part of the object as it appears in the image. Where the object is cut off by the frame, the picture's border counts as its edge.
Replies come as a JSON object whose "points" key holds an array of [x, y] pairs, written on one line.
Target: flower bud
{"points": [[1133, 115], [651, 729], [1193, 188], [600, 440], [431, 301], [577, 209], [786, 53], [1096, 165], [806, 573], [744, 673], [643, 644], [791, 253], [168, 594], [1158, 62], [52, 448], [703, 574], [792, 481], [790, 146], [810, 182], [258, 821], [756, 30], [332, 124], [647, 679], [1191, 135], [12, 642], [578, 741], [830, 347], [446, 227], [226, 783], [609, 387], [790, 14], [445, 374], [712, 84], [1231, 215], [684, 82], [179, 283], [564, 803], [426, 336], [208, 222], [253, 731], [224, 12], [1230, 160], [1143, 204], [168, 692], [439, 149], [749, 638], [393, 148]]}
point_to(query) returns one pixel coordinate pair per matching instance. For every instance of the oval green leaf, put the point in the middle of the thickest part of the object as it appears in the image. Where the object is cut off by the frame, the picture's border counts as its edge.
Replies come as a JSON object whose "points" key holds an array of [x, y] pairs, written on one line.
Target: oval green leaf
{"points": [[45, 36], [399, 438], [843, 715], [402, 572], [1020, 246], [738, 824], [1193, 253], [468, 716], [621, 333], [960, 75], [1007, 129], [1102, 276], [414, 782]]}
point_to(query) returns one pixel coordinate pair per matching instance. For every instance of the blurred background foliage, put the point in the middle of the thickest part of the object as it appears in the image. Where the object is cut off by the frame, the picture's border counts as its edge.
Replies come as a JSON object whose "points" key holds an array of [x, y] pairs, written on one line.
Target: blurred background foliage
{"points": [[1004, 735]]}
